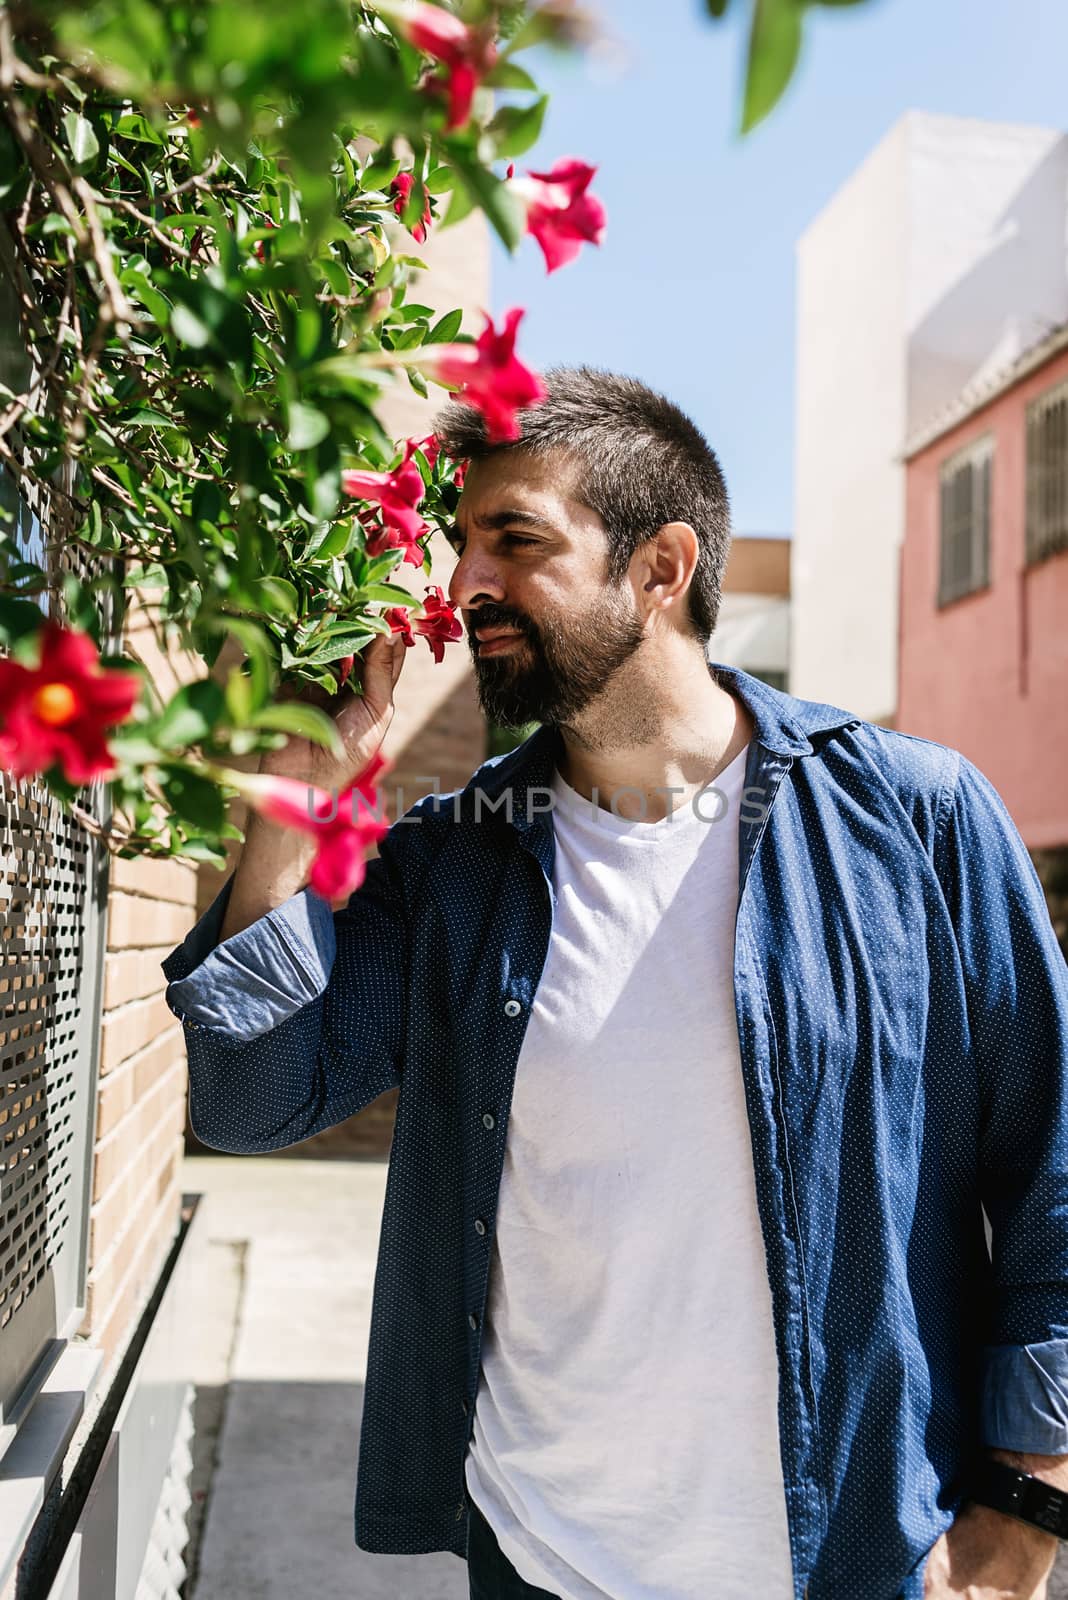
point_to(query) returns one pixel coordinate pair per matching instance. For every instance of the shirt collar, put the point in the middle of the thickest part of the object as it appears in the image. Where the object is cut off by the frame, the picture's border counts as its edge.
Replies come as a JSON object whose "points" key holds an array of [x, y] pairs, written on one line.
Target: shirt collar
{"points": [[783, 724]]}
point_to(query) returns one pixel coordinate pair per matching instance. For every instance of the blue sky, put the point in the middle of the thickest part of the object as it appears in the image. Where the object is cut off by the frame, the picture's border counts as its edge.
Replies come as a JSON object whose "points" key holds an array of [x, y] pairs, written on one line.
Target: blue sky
{"points": [[693, 289]]}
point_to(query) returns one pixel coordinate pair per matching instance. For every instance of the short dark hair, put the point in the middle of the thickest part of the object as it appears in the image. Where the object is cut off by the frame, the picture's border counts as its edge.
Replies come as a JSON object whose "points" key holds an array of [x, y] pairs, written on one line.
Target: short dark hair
{"points": [[641, 463]]}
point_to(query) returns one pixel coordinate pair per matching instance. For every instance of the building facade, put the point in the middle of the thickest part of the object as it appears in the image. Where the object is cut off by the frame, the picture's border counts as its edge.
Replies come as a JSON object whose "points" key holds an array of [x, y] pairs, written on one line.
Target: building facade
{"points": [[939, 261], [983, 659], [753, 630]]}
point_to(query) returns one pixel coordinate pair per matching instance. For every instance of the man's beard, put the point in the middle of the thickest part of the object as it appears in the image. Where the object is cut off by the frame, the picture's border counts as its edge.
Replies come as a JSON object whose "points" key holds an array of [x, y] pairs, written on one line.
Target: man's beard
{"points": [[553, 672]]}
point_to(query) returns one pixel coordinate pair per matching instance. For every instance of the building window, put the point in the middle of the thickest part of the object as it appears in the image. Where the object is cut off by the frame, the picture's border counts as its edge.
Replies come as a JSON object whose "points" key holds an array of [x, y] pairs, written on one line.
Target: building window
{"points": [[1047, 474], [964, 524]]}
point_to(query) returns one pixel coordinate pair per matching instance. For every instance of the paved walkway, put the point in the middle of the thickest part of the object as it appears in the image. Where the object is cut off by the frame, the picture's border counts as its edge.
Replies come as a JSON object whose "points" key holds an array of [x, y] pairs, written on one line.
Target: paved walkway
{"points": [[287, 1259], [288, 1253]]}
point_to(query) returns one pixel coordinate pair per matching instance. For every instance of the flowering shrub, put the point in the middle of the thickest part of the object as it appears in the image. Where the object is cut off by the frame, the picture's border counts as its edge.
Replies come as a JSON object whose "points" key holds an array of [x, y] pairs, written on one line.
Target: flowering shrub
{"points": [[200, 241]]}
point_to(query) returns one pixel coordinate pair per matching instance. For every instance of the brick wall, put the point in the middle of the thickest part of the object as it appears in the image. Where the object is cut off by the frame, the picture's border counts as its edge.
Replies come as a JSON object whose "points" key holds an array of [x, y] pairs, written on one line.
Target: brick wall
{"points": [[141, 1095]]}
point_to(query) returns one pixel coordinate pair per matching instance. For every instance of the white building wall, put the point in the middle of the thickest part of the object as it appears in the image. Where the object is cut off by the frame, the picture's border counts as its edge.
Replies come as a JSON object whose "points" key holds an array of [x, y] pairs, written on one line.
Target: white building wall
{"points": [[940, 259]]}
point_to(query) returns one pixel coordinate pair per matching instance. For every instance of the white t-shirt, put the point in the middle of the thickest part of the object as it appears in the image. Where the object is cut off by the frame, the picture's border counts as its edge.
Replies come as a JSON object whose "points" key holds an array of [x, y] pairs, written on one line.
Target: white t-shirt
{"points": [[625, 1442]]}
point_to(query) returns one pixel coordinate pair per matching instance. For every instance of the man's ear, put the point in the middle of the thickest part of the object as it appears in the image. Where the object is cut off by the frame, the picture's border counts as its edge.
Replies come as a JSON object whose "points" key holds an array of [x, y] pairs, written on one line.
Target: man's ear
{"points": [[671, 553]]}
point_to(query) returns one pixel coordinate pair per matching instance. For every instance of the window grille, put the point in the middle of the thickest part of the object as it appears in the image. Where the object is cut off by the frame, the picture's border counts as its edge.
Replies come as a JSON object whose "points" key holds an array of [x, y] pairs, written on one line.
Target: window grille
{"points": [[1047, 475], [964, 522]]}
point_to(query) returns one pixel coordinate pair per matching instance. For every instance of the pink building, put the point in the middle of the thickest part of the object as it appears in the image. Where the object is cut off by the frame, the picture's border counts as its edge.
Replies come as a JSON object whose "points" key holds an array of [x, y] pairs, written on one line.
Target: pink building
{"points": [[983, 620]]}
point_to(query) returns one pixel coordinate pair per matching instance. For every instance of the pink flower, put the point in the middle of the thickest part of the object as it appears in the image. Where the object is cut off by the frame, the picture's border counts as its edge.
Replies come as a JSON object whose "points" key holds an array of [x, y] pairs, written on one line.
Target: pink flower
{"points": [[345, 827], [402, 188], [490, 376], [561, 214], [400, 622], [467, 54], [398, 493], [439, 622]]}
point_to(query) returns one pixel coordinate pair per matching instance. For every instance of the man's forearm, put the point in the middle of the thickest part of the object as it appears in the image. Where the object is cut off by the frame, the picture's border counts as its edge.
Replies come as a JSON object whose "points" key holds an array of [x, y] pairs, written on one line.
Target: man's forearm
{"points": [[1051, 1469], [274, 864], [1035, 1543]]}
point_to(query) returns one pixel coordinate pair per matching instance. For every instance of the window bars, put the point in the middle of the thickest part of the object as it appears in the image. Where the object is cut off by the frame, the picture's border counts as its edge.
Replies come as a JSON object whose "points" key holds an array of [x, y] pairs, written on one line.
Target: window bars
{"points": [[964, 523], [1047, 475]]}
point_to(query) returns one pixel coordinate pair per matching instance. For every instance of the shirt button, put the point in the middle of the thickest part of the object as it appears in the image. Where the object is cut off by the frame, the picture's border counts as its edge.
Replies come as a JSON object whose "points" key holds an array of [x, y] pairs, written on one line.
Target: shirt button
{"points": [[512, 1008], [487, 1120], [480, 1226], [189, 1022]]}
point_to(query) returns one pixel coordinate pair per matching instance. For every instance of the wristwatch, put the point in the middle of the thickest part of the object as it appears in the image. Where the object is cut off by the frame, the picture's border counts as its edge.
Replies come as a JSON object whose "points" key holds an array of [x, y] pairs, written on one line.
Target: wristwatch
{"points": [[1020, 1495]]}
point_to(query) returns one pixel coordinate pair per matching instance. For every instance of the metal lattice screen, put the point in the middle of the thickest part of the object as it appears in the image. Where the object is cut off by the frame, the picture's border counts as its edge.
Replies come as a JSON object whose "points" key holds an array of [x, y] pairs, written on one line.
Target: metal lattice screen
{"points": [[53, 891]]}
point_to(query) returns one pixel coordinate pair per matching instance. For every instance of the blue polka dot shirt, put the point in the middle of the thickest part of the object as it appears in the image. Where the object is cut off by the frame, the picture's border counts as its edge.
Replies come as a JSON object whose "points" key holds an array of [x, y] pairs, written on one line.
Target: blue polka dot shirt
{"points": [[902, 1007]]}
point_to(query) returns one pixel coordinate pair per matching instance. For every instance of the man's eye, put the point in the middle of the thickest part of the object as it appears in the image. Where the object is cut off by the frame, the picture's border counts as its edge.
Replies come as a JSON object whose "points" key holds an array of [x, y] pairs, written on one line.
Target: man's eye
{"points": [[517, 538]]}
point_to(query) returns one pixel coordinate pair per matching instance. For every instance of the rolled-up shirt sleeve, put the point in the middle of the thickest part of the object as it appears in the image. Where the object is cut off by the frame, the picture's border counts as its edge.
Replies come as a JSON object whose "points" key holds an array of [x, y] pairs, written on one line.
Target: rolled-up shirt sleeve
{"points": [[1016, 983], [258, 977], [299, 1020]]}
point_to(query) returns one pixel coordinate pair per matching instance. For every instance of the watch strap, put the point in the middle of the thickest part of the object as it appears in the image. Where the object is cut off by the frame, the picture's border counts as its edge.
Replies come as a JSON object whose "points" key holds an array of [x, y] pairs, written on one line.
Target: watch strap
{"points": [[1020, 1495]]}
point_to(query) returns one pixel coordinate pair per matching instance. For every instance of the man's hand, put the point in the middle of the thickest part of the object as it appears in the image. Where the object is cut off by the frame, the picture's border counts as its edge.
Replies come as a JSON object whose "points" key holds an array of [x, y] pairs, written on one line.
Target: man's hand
{"points": [[987, 1555]]}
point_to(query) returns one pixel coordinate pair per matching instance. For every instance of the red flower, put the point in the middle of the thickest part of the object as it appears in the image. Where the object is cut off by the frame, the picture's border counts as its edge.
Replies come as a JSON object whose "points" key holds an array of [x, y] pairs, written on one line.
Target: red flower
{"points": [[402, 188], [258, 250], [398, 494], [429, 446], [561, 215], [380, 539], [439, 622], [193, 118], [345, 667], [400, 622], [467, 54], [345, 827], [460, 474], [58, 710], [490, 376]]}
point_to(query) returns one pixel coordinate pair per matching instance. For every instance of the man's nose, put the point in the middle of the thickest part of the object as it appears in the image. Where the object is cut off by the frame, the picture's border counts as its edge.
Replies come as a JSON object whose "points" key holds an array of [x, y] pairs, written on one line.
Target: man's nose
{"points": [[474, 580]]}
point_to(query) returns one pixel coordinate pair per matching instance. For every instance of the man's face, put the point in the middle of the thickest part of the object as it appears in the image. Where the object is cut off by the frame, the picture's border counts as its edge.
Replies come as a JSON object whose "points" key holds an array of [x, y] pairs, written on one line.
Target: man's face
{"points": [[533, 561]]}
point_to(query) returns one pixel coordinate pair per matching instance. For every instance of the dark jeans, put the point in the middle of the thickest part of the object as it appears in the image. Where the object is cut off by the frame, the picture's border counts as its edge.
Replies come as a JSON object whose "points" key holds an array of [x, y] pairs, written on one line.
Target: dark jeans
{"points": [[489, 1572]]}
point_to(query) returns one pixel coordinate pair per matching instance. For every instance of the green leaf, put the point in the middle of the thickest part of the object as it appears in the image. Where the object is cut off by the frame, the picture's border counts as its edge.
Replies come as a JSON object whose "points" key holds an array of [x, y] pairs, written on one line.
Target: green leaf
{"points": [[461, 205], [337, 645], [509, 75], [515, 128], [336, 542], [307, 426], [196, 848], [195, 798], [380, 173], [239, 696], [445, 331], [190, 715], [503, 209], [82, 139], [134, 126], [274, 594], [717, 8], [774, 47], [304, 721], [440, 181], [19, 619], [391, 593]]}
